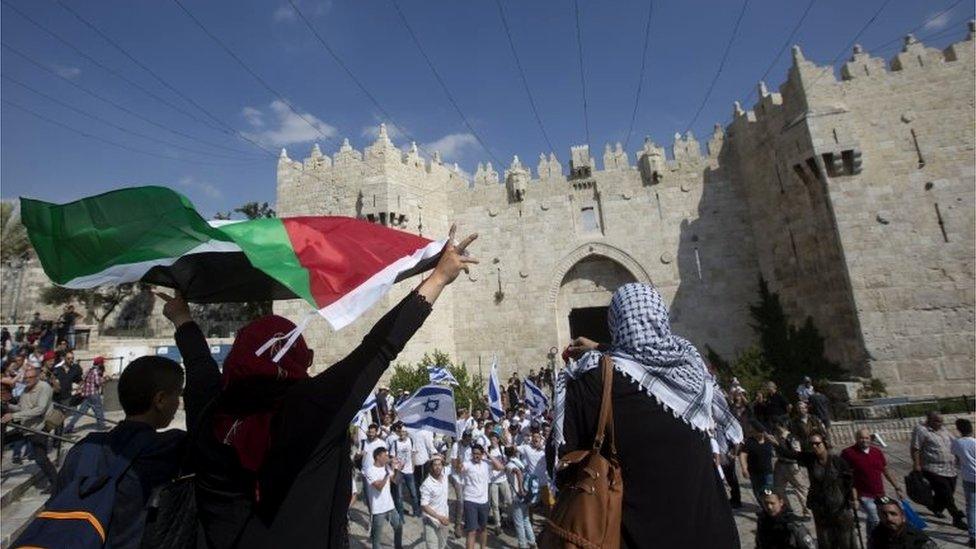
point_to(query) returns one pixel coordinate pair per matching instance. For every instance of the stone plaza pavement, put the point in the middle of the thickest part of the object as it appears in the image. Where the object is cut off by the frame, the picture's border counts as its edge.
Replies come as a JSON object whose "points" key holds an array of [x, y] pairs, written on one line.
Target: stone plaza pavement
{"points": [[899, 461]]}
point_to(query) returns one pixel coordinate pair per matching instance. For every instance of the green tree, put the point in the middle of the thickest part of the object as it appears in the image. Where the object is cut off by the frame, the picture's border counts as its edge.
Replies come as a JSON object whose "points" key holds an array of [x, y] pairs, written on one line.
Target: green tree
{"points": [[790, 352], [99, 303], [255, 210], [469, 393], [13, 234]]}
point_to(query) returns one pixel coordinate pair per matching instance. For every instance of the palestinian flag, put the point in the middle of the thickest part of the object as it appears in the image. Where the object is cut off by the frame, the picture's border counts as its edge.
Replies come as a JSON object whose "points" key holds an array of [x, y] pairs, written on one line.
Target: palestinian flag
{"points": [[339, 265]]}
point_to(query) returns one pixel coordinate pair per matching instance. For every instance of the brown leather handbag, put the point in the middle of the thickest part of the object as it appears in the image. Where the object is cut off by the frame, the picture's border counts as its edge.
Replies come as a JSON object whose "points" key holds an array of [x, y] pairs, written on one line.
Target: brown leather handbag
{"points": [[589, 506]]}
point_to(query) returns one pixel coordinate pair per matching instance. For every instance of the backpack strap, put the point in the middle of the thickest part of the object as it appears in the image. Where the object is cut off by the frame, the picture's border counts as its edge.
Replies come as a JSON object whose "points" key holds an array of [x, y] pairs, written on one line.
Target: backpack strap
{"points": [[605, 423]]}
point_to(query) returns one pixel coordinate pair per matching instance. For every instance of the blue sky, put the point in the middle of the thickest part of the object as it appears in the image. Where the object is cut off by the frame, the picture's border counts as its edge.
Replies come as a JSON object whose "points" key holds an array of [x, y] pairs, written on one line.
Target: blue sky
{"points": [[464, 39]]}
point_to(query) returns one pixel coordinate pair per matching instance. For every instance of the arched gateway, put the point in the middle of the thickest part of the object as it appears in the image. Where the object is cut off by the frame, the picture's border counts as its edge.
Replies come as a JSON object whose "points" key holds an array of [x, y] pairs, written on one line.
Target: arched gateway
{"points": [[583, 283]]}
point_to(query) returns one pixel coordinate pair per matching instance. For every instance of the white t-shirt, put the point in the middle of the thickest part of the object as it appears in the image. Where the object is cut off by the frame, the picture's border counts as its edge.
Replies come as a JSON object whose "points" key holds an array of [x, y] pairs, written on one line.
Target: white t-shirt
{"points": [[464, 424], [535, 462], [510, 468], [380, 501], [964, 448], [403, 449], [423, 446], [433, 492], [465, 456], [497, 477], [475, 477], [368, 448]]}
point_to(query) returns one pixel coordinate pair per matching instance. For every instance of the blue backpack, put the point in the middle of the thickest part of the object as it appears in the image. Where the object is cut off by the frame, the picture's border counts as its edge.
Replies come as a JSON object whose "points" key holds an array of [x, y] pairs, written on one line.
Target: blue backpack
{"points": [[79, 515]]}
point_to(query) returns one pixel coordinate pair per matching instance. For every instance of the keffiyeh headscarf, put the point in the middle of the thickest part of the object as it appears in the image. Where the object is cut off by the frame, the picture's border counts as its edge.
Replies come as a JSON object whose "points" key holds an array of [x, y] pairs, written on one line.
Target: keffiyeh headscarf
{"points": [[667, 366]]}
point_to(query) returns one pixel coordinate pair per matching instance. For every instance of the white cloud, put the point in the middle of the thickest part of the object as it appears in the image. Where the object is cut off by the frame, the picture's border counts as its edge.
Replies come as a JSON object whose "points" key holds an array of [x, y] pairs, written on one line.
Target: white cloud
{"points": [[253, 116], [284, 127], [937, 23], [67, 72], [285, 14], [207, 189], [452, 146]]}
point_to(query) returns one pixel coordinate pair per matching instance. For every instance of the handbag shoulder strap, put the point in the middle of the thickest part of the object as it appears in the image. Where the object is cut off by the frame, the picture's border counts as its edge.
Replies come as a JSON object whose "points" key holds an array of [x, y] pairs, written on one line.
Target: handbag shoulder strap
{"points": [[604, 425]]}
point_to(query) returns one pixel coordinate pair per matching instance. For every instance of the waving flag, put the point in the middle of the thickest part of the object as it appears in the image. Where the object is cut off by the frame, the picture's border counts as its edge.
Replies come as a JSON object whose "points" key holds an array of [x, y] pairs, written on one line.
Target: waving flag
{"points": [[495, 393], [440, 374], [430, 408], [536, 400], [341, 266]]}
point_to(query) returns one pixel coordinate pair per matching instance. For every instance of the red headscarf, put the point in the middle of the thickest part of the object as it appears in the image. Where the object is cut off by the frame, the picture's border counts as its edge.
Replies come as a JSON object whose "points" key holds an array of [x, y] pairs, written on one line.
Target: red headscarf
{"points": [[250, 433]]}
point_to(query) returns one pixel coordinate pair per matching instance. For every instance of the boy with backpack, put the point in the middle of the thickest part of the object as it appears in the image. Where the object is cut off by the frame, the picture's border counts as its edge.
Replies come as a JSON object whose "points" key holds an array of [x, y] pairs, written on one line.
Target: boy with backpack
{"points": [[525, 492], [102, 493]]}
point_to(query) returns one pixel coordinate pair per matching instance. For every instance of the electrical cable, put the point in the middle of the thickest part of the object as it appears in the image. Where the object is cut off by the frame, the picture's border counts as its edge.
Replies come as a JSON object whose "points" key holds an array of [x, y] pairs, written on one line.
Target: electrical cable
{"points": [[437, 76], [525, 82], [721, 65], [782, 50], [640, 79], [579, 49], [917, 27]]}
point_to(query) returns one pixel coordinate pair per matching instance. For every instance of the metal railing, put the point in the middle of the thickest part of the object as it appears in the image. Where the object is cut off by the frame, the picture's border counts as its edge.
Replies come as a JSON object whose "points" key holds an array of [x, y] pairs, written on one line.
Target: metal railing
{"points": [[52, 436], [73, 410]]}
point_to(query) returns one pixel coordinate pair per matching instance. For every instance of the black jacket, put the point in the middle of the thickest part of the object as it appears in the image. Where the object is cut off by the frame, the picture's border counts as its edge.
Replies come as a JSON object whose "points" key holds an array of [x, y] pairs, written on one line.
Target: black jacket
{"points": [[909, 538], [659, 455], [784, 531], [305, 482], [163, 460]]}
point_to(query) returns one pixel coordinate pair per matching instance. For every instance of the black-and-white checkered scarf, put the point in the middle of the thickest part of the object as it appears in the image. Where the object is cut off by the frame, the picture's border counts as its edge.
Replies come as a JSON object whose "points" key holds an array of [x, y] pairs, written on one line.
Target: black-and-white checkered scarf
{"points": [[667, 366]]}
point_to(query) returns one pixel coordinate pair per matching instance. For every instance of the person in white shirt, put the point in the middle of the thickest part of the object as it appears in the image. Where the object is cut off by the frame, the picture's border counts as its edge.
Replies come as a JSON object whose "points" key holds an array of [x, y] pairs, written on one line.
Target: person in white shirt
{"points": [[521, 500], [382, 510], [499, 494], [805, 389], [423, 449], [368, 446], [534, 458], [460, 451], [402, 449], [964, 448], [476, 474], [433, 500], [464, 421]]}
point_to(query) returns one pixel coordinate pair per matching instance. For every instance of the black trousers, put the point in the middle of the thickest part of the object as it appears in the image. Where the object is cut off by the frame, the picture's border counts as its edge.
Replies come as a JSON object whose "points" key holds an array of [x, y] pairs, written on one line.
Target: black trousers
{"points": [[38, 447], [943, 490], [735, 495]]}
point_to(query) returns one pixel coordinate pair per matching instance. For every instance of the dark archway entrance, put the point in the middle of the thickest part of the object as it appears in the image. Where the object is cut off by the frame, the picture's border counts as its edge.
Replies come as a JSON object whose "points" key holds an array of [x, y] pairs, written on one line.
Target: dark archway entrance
{"points": [[589, 322]]}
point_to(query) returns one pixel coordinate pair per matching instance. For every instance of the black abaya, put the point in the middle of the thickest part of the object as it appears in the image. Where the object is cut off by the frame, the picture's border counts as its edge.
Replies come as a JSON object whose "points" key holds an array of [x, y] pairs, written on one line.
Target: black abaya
{"points": [[673, 496]]}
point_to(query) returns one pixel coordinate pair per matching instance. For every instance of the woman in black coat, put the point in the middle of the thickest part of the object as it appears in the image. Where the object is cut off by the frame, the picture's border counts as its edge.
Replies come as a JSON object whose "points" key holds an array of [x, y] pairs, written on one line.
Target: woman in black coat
{"points": [[664, 404]]}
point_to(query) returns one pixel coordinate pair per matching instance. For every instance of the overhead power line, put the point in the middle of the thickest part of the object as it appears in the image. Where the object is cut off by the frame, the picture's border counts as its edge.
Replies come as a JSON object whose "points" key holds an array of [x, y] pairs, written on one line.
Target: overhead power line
{"points": [[227, 128], [927, 20], [251, 71], [579, 49], [108, 101], [867, 24], [112, 124], [108, 69], [525, 82], [948, 31], [721, 65], [782, 50], [104, 140], [640, 79], [437, 76]]}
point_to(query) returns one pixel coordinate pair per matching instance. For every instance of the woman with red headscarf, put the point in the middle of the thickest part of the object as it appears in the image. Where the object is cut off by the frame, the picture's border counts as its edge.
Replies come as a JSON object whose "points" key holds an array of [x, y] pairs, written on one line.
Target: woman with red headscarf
{"points": [[271, 455]]}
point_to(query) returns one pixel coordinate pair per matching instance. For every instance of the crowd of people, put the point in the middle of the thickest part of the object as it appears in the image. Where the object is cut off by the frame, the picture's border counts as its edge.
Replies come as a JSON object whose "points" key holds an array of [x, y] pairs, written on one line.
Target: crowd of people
{"points": [[43, 389], [276, 457]]}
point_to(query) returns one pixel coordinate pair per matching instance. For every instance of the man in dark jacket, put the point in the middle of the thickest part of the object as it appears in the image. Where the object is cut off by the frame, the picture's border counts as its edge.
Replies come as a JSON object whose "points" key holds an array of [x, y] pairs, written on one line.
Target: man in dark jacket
{"points": [[66, 372], [894, 532], [779, 528], [149, 392]]}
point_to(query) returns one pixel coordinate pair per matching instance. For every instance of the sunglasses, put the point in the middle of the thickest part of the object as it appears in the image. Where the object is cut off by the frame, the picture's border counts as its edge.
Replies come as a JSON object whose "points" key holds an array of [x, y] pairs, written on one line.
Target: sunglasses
{"points": [[816, 443]]}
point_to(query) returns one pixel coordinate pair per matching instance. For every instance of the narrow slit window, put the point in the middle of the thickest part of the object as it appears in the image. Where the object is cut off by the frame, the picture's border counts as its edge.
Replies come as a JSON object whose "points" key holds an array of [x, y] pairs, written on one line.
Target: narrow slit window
{"points": [[657, 198], [698, 263], [588, 220], [942, 227], [918, 150], [779, 177]]}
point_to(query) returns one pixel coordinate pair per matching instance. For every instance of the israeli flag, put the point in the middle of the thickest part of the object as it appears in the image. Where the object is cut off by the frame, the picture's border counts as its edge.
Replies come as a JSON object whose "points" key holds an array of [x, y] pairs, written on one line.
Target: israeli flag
{"points": [[363, 418], [495, 393], [368, 404], [440, 374], [430, 408], [535, 399]]}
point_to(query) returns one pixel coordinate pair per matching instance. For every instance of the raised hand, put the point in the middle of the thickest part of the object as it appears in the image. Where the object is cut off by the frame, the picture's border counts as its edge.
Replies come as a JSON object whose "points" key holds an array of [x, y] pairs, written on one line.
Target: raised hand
{"points": [[454, 258], [176, 308]]}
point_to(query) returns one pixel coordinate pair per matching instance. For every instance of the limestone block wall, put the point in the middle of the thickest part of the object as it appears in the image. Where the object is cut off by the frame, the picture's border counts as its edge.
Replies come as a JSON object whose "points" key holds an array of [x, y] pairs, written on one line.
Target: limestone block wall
{"points": [[906, 222]]}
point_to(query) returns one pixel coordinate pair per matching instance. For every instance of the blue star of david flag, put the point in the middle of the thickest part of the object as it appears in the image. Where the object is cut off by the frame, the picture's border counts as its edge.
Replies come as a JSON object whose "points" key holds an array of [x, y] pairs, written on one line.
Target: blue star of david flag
{"points": [[535, 399], [430, 408], [440, 374], [495, 393]]}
